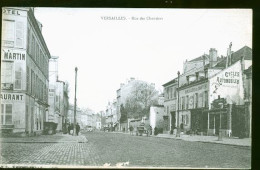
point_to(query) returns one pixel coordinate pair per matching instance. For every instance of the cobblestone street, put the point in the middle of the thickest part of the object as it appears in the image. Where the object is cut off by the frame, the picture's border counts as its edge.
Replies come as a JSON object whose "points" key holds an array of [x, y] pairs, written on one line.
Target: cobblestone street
{"points": [[112, 148]]}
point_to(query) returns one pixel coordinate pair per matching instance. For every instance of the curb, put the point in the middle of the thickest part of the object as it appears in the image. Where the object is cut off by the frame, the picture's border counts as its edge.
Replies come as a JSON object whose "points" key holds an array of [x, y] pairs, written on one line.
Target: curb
{"points": [[236, 145]]}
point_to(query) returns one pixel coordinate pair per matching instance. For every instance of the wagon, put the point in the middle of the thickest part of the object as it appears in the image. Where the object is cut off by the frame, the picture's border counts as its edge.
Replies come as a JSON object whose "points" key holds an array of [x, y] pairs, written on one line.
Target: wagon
{"points": [[140, 130]]}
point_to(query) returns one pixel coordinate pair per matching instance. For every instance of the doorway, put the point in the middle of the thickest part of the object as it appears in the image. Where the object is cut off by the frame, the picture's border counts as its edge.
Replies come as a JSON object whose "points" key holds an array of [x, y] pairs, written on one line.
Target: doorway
{"points": [[173, 120]]}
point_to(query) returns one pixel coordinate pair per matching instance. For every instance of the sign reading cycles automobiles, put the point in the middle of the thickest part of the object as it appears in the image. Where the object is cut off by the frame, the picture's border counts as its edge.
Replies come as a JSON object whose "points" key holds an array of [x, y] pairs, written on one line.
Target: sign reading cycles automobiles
{"points": [[228, 84]]}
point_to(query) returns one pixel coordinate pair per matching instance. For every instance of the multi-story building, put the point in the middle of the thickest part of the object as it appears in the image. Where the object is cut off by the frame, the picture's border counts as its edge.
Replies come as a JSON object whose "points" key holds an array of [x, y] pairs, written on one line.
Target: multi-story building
{"points": [[170, 103], [58, 96], [24, 72], [211, 97]]}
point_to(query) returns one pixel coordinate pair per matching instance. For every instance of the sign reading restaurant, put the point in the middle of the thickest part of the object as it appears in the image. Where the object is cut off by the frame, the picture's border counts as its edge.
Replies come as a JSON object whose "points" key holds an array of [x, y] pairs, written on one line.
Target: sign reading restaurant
{"points": [[13, 55], [12, 96]]}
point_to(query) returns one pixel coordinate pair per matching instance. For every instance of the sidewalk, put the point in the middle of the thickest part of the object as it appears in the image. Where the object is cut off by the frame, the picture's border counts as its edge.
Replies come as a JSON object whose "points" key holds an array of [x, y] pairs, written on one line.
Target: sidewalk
{"points": [[56, 138], [246, 142], [210, 139]]}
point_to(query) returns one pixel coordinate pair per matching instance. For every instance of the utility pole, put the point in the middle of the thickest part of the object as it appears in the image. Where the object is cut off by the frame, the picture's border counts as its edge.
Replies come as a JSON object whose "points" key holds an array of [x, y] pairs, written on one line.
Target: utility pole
{"points": [[75, 103]]}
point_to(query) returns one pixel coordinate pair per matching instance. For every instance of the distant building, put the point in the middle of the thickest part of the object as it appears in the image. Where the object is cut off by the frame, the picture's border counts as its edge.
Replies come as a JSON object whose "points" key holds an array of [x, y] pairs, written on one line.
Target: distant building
{"points": [[24, 72], [58, 97], [157, 117], [170, 104]]}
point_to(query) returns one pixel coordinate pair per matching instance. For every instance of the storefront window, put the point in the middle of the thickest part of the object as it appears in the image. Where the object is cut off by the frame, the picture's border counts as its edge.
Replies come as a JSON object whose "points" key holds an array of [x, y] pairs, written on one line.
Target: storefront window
{"points": [[6, 114], [2, 114]]}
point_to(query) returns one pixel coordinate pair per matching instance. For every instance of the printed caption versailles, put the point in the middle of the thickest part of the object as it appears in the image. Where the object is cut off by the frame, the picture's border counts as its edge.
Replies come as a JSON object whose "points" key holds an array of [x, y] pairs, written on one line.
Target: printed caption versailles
{"points": [[123, 18]]}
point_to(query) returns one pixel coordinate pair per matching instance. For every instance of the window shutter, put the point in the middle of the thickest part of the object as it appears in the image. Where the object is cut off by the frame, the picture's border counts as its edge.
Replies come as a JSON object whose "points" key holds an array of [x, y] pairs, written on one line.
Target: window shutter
{"points": [[19, 34]]}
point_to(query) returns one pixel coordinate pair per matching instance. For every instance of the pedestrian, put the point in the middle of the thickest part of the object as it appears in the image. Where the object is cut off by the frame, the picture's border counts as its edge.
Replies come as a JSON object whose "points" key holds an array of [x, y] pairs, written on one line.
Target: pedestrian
{"points": [[77, 129], [131, 130], [69, 128]]}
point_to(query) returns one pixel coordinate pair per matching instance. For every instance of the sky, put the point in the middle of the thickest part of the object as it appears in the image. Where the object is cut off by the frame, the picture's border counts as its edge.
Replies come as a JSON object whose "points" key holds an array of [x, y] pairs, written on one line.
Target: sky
{"points": [[108, 52]]}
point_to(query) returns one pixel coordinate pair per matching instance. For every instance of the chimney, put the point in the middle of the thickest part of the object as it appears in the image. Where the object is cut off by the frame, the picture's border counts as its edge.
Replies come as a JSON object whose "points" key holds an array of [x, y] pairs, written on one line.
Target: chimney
{"points": [[204, 57], [213, 54], [228, 62]]}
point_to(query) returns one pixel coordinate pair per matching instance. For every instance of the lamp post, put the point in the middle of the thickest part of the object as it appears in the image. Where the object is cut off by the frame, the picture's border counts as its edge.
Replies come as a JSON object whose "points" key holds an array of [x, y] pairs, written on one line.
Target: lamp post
{"points": [[178, 124], [75, 102]]}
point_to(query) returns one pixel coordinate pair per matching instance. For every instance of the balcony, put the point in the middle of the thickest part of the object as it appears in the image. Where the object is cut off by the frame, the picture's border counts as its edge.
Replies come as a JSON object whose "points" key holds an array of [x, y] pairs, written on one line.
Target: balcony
{"points": [[6, 86]]}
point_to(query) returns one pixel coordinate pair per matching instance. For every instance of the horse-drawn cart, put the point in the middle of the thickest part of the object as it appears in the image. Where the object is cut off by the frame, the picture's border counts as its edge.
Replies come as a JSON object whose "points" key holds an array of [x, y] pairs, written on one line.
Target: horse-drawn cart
{"points": [[140, 130]]}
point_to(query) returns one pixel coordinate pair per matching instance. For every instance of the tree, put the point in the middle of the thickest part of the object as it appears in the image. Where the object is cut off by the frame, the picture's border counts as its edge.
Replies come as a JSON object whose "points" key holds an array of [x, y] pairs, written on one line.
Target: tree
{"points": [[142, 96], [123, 114]]}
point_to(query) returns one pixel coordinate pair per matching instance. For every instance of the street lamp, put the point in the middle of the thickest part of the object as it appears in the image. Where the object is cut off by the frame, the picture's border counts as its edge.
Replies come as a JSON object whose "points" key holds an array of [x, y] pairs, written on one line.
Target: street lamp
{"points": [[178, 124], [75, 102]]}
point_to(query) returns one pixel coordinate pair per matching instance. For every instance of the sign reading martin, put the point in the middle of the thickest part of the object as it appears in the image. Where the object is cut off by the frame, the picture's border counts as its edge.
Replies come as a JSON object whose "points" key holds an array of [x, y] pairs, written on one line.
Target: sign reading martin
{"points": [[228, 84], [8, 54]]}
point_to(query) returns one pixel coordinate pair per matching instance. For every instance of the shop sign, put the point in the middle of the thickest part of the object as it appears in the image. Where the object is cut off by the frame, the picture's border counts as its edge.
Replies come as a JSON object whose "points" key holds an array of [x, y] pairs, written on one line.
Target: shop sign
{"points": [[227, 84], [196, 88], [13, 55], [8, 11], [12, 96]]}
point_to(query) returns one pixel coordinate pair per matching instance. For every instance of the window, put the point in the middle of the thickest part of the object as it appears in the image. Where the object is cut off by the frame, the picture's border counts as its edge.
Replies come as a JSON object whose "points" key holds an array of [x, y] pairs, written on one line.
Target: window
{"points": [[206, 99], [6, 114], [185, 119], [37, 54], [183, 103], [27, 79], [19, 34], [187, 102], [196, 100], [37, 86], [32, 82], [8, 33], [28, 39], [33, 47], [174, 92], [7, 72], [18, 77]]}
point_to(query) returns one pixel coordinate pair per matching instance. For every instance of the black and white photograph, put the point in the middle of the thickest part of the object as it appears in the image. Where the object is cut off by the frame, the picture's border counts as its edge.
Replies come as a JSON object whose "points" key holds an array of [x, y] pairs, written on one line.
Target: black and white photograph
{"points": [[126, 88]]}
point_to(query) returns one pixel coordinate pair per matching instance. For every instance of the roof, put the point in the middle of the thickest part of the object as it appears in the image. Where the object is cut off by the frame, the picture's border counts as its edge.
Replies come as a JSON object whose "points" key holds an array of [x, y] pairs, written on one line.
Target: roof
{"points": [[245, 51], [170, 82], [199, 58], [249, 70]]}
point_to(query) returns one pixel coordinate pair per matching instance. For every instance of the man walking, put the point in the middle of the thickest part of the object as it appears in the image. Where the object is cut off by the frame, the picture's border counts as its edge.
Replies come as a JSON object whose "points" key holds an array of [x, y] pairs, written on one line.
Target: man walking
{"points": [[77, 129], [131, 130]]}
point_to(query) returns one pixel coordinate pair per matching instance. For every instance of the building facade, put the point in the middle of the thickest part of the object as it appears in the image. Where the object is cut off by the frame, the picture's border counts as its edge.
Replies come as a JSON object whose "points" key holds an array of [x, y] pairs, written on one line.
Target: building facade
{"points": [[24, 72], [170, 103], [211, 97], [58, 97]]}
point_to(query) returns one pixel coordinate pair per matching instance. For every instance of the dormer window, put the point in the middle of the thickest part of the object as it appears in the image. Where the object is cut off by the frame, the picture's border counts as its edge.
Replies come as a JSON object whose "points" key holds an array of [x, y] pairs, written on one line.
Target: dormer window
{"points": [[197, 76], [188, 79]]}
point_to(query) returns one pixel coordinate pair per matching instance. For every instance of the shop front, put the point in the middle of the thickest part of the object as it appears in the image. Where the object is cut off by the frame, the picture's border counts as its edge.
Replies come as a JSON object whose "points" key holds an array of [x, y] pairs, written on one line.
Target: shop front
{"points": [[12, 112]]}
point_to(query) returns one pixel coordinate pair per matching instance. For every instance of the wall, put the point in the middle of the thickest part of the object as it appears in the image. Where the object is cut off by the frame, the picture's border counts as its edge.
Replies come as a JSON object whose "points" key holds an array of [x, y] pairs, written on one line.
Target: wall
{"points": [[228, 84]]}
